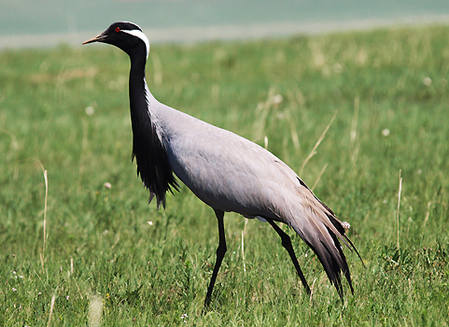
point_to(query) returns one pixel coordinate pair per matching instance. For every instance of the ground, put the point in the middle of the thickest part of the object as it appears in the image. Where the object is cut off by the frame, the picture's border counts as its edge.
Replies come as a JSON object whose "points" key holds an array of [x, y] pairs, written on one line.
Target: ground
{"points": [[65, 110]]}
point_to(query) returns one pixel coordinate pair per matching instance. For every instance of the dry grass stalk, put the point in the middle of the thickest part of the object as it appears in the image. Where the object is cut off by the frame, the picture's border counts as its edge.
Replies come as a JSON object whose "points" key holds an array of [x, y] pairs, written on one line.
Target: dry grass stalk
{"points": [[243, 244], [265, 142], [353, 134], [44, 242], [318, 142], [319, 176], [355, 119], [52, 306], [312, 288], [427, 214], [398, 208]]}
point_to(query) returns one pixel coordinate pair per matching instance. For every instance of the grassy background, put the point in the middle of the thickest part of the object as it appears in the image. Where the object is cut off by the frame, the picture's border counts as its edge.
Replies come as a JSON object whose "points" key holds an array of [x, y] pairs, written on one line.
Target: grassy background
{"points": [[389, 89]]}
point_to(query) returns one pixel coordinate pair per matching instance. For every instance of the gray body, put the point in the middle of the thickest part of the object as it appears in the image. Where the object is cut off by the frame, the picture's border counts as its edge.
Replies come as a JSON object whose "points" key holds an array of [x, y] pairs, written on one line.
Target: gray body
{"points": [[225, 170], [228, 172]]}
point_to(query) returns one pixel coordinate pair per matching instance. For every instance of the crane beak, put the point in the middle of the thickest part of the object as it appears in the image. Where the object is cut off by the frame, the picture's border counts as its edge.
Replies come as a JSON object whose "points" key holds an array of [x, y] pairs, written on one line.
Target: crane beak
{"points": [[98, 38]]}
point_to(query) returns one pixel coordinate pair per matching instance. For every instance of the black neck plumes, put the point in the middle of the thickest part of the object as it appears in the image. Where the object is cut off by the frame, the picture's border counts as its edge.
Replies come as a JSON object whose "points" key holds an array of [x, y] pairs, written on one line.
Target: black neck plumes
{"points": [[148, 149]]}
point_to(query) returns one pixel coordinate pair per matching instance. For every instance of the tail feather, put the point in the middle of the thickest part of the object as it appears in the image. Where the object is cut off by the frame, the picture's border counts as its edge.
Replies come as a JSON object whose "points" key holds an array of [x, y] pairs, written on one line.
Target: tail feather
{"points": [[330, 254], [325, 212], [322, 231], [344, 264], [338, 224]]}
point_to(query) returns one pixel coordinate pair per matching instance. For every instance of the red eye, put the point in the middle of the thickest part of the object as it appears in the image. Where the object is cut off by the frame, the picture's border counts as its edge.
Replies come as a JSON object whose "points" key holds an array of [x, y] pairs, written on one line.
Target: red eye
{"points": [[117, 29]]}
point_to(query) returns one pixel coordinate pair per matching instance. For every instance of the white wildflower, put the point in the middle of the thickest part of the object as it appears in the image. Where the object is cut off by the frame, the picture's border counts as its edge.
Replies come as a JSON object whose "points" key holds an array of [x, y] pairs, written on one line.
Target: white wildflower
{"points": [[89, 110], [277, 99]]}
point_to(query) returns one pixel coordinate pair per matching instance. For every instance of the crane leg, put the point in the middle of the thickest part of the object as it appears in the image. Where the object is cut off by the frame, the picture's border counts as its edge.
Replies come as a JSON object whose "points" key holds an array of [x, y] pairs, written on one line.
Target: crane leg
{"points": [[221, 250], [287, 244]]}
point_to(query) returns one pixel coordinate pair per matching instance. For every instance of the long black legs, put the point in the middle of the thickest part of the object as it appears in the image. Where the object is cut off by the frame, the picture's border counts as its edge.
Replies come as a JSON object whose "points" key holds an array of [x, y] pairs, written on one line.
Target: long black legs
{"points": [[221, 250], [287, 244]]}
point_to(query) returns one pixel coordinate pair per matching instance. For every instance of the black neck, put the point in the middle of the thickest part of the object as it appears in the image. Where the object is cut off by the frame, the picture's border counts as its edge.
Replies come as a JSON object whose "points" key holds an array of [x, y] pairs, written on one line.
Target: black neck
{"points": [[137, 93], [148, 149]]}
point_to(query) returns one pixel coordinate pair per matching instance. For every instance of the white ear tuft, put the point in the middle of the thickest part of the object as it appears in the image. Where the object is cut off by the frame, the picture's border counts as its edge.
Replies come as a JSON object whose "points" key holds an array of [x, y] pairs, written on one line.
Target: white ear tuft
{"points": [[140, 35]]}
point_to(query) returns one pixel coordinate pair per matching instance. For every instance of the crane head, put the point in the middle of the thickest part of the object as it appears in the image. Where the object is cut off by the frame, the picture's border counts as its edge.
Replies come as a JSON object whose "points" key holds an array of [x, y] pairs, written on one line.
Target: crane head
{"points": [[124, 35]]}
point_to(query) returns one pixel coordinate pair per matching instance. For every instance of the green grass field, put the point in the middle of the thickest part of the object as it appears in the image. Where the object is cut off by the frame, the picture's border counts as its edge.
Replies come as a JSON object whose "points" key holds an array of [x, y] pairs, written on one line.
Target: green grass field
{"points": [[67, 110]]}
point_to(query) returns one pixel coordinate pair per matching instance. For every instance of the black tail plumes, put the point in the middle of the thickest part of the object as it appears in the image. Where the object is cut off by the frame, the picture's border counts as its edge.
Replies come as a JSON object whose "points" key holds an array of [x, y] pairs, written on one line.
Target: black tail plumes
{"points": [[323, 234]]}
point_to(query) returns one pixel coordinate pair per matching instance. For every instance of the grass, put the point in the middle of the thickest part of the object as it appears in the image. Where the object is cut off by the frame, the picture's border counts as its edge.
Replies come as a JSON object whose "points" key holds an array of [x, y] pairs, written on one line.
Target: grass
{"points": [[107, 254]]}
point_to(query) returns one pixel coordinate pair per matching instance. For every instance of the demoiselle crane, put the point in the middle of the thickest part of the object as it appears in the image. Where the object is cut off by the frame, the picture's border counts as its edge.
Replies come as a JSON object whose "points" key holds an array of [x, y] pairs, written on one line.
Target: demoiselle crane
{"points": [[224, 170]]}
